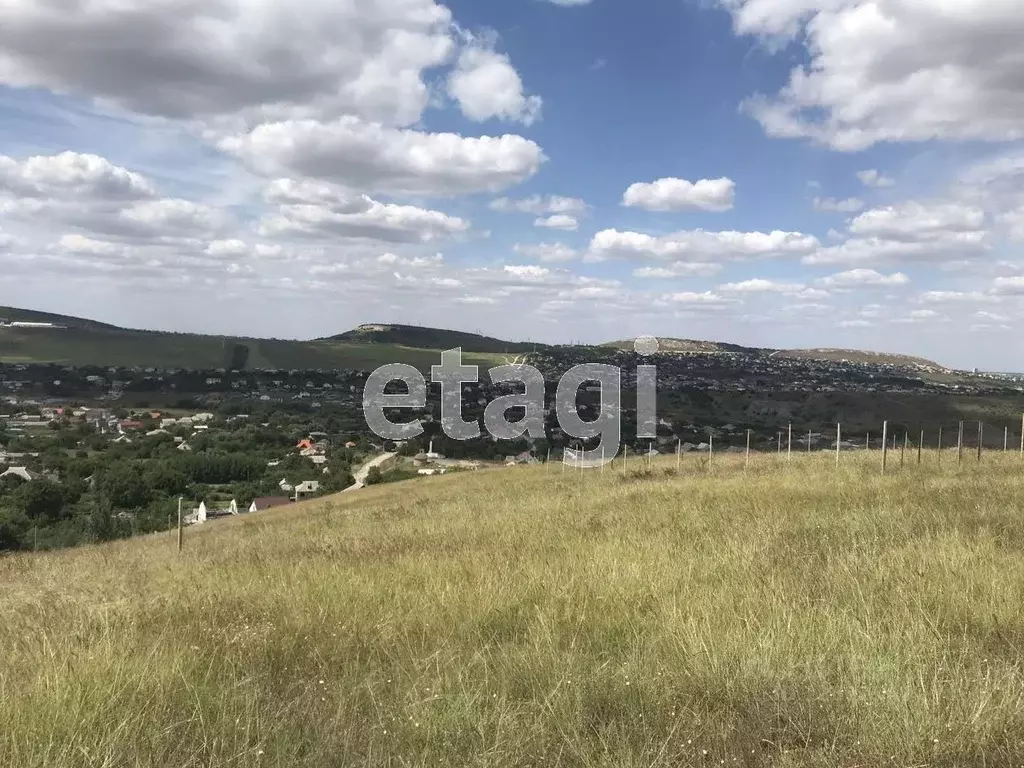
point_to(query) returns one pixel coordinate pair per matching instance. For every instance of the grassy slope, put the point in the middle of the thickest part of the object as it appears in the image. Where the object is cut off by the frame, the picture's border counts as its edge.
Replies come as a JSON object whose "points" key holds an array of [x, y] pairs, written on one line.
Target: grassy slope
{"points": [[431, 338], [74, 346], [789, 616], [35, 316], [861, 356]]}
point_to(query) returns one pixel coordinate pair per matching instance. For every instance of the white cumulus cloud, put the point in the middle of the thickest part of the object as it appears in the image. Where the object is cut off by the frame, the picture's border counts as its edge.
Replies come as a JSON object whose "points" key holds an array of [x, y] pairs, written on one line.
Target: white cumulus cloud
{"points": [[671, 194], [892, 71], [486, 85], [374, 158], [558, 221]]}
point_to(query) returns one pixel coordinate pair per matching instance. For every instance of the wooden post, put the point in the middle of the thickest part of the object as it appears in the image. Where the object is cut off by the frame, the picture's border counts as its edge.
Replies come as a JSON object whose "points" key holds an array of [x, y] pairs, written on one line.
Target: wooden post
{"points": [[939, 454], [780, 443], [981, 437], [920, 446], [547, 462], [808, 441], [1006, 439], [180, 527], [679, 454], [885, 444], [711, 449], [746, 461], [867, 442], [839, 440], [602, 459], [625, 455], [650, 455], [903, 450], [960, 444], [789, 443], [1022, 436]]}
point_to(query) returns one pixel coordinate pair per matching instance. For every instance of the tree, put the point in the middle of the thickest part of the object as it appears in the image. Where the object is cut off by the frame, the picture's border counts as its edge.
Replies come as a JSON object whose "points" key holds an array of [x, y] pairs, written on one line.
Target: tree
{"points": [[41, 500], [374, 476], [237, 357], [14, 528], [101, 522]]}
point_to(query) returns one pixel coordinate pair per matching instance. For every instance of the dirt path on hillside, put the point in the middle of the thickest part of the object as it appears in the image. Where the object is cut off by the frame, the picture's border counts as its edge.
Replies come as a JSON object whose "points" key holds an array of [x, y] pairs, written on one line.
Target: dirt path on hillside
{"points": [[361, 474]]}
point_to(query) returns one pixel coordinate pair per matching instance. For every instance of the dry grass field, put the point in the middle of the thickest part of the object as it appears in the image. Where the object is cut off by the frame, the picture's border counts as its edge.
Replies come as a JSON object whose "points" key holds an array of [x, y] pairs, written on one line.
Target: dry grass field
{"points": [[789, 615]]}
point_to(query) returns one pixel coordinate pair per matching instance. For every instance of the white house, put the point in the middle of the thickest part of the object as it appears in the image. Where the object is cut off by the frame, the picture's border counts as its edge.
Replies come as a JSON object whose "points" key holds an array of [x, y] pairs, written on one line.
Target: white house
{"points": [[23, 472]]}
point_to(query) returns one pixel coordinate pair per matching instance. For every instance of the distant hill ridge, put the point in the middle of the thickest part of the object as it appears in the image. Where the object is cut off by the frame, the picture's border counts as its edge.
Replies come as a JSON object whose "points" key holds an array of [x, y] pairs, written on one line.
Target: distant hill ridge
{"points": [[84, 342], [429, 338], [668, 344], [861, 356], [15, 315], [684, 346]]}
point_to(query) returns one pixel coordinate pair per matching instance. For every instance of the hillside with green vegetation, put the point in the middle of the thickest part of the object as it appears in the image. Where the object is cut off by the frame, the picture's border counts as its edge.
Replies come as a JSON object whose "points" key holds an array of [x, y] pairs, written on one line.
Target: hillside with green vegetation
{"points": [[13, 314], [86, 342], [860, 356], [671, 345], [83, 342], [690, 346], [789, 614], [430, 338]]}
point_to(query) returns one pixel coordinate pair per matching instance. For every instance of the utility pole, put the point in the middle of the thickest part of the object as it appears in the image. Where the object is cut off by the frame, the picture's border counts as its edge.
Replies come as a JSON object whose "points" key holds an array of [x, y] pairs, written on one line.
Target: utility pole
{"points": [[885, 444], [180, 528]]}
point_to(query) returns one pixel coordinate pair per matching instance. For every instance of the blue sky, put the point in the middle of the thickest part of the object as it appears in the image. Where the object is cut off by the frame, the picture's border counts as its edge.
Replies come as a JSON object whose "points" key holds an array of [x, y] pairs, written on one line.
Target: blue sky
{"points": [[787, 173]]}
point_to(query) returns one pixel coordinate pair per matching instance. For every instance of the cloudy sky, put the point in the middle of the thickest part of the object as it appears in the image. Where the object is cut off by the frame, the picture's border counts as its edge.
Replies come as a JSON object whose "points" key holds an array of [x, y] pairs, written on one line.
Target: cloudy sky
{"points": [[786, 173]]}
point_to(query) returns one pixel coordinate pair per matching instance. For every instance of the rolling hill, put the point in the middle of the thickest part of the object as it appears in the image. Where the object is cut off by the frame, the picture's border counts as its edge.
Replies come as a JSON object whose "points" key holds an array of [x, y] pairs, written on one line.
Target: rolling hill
{"points": [[689, 346], [860, 356], [430, 338], [88, 342], [670, 345]]}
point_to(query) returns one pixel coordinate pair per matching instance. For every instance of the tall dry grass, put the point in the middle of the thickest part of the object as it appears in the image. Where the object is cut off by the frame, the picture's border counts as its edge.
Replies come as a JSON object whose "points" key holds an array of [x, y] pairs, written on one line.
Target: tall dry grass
{"points": [[789, 615]]}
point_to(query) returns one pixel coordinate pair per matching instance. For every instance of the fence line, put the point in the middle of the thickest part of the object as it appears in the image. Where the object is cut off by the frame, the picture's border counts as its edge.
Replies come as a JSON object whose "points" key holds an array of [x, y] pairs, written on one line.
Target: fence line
{"points": [[843, 439]]}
